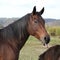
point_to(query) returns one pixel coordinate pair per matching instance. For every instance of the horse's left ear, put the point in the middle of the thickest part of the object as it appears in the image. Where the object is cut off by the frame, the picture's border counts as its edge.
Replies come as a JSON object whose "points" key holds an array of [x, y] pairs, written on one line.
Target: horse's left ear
{"points": [[41, 12], [34, 10]]}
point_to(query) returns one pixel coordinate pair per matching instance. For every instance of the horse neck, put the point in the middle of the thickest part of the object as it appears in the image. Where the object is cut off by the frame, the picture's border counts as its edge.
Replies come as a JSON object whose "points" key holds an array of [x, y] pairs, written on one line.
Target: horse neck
{"points": [[20, 31]]}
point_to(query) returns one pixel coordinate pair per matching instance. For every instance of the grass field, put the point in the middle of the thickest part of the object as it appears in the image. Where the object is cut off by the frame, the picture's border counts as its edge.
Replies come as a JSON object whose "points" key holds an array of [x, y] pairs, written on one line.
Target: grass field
{"points": [[33, 48]]}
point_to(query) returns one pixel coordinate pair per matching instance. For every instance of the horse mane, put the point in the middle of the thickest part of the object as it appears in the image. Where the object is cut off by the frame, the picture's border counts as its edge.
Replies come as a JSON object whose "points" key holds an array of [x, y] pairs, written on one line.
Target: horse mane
{"points": [[21, 26], [17, 30]]}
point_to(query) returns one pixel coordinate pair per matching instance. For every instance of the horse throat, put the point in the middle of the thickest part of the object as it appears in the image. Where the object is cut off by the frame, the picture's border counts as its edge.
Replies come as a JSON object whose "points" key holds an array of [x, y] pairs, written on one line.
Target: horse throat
{"points": [[23, 39]]}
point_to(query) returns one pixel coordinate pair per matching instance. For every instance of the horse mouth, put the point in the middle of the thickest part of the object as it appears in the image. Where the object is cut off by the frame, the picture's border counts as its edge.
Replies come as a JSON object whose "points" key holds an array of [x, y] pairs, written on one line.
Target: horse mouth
{"points": [[44, 42]]}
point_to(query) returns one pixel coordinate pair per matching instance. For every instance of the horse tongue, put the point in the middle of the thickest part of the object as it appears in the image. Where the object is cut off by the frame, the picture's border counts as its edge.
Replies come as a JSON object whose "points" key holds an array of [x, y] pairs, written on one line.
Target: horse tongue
{"points": [[46, 45]]}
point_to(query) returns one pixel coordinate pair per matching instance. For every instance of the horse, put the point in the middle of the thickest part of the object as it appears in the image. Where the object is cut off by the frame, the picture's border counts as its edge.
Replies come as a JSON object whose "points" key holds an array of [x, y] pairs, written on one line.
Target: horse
{"points": [[14, 36], [53, 53]]}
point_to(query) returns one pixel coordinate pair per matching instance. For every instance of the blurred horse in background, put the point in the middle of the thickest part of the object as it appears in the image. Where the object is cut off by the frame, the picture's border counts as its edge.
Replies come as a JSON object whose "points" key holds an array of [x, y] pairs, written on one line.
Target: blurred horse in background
{"points": [[52, 53]]}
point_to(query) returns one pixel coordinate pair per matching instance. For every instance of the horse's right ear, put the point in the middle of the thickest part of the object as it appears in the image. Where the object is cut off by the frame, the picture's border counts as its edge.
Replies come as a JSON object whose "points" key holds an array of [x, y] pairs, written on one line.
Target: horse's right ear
{"points": [[41, 12], [34, 10]]}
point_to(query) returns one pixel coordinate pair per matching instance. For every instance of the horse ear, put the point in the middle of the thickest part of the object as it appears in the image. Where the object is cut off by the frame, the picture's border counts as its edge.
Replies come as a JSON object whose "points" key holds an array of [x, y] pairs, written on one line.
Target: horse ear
{"points": [[34, 10], [41, 12]]}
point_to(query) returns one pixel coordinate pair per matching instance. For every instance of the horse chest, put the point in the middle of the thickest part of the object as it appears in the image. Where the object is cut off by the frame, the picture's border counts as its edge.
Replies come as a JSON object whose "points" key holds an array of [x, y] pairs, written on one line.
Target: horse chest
{"points": [[8, 53]]}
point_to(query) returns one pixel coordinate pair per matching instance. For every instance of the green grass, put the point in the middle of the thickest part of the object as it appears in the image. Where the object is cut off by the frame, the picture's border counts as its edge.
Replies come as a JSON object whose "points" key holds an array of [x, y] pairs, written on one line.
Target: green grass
{"points": [[54, 29], [33, 48]]}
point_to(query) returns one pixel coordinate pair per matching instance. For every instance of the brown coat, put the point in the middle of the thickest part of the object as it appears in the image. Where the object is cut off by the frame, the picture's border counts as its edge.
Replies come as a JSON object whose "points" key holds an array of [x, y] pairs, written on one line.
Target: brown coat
{"points": [[52, 53]]}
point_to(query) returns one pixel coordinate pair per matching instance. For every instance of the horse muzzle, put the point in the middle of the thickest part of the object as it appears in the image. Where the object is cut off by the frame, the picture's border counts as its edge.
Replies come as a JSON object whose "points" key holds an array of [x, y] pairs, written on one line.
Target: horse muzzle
{"points": [[45, 40]]}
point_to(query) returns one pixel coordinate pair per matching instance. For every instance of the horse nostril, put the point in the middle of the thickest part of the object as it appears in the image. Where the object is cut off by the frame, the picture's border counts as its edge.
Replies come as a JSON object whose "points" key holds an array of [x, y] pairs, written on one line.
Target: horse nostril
{"points": [[44, 38], [47, 39]]}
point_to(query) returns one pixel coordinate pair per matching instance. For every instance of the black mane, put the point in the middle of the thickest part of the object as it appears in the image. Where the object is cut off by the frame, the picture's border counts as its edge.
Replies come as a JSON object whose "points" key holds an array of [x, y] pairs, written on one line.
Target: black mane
{"points": [[15, 32]]}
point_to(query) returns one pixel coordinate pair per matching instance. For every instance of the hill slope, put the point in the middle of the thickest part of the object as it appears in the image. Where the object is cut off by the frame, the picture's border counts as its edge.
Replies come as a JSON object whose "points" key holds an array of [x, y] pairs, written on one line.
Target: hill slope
{"points": [[50, 22]]}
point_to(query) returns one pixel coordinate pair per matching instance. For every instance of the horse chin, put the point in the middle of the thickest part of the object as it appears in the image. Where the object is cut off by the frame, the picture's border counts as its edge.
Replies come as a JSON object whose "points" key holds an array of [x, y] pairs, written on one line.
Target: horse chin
{"points": [[44, 43]]}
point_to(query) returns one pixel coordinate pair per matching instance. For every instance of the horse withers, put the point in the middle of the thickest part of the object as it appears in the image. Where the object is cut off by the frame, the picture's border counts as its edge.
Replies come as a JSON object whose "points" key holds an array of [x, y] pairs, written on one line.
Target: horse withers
{"points": [[14, 36], [53, 53]]}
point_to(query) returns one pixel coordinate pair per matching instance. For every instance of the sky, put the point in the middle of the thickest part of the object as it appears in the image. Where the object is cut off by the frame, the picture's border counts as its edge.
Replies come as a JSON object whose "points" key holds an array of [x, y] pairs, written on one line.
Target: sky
{"points": [[19, 8]]}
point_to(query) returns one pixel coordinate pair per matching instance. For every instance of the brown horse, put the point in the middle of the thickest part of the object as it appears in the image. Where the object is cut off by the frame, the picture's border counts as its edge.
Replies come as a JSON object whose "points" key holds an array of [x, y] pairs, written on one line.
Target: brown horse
{"points": [[52, 53], [14, 36]]}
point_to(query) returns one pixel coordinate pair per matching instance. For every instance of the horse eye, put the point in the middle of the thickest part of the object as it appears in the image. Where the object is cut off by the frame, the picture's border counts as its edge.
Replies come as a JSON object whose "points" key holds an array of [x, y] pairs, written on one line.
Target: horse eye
{"points": [[36, 21]]}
